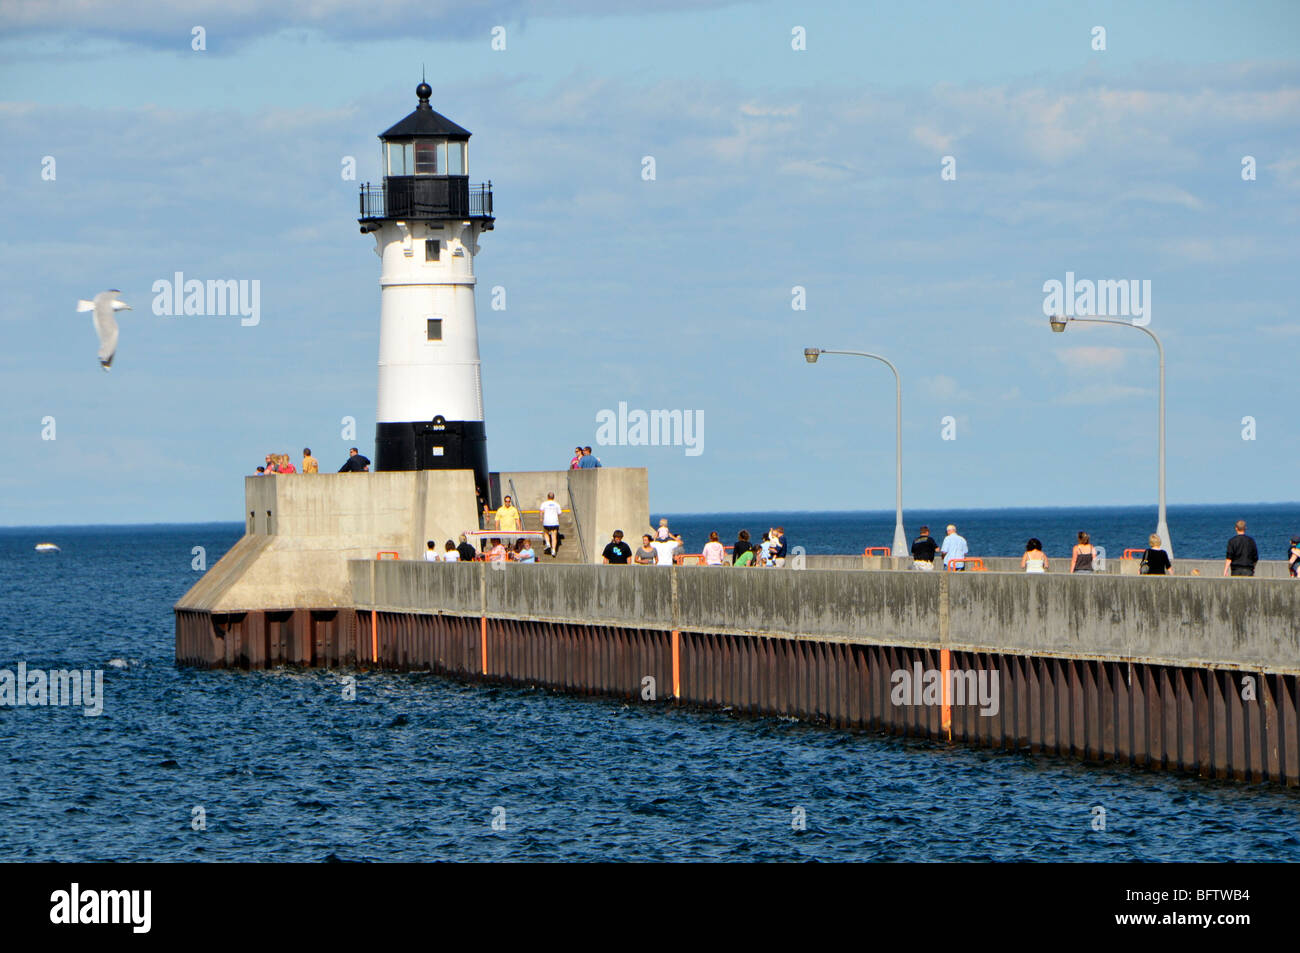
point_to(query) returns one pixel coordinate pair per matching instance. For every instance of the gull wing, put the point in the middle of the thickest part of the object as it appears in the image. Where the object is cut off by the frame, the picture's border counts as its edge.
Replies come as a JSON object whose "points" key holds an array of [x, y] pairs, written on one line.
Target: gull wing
{"points": [[106, 327]]}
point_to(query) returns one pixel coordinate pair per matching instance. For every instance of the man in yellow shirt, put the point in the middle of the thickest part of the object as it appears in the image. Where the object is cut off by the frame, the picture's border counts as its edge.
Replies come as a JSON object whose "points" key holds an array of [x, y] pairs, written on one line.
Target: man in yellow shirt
{"points": [[508, 517], [309, 464]]}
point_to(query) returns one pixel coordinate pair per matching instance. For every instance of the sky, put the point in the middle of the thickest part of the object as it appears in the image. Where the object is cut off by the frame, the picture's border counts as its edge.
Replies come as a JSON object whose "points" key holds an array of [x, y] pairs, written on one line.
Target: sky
{"points": [[907, 183]]}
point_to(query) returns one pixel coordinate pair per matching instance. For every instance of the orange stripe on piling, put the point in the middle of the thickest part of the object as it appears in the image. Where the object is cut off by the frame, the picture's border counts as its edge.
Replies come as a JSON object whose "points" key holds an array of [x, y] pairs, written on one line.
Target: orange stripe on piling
{"points": [[482, 641], [677, 664], [945, 660], [374, 636]]}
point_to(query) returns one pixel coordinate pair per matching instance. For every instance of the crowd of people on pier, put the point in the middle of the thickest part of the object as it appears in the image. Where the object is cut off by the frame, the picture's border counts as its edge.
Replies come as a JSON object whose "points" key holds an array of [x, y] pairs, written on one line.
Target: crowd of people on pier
{"points": [[663, 547], [659, 547], [1240, 557], [280, 464]]}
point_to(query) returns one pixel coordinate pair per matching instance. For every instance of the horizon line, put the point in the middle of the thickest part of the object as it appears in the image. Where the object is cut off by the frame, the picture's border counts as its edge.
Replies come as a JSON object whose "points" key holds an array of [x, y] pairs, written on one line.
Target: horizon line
{"points": [[884, 513]]}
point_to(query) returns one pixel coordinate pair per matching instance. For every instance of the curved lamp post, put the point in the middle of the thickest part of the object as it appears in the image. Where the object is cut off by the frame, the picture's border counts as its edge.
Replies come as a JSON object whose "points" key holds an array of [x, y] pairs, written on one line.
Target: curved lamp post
{"points": [[1162, 526], [900, 539]]}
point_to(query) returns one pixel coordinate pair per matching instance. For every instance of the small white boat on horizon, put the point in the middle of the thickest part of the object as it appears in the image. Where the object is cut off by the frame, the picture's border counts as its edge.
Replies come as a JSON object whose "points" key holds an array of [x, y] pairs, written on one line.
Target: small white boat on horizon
{"points": [[47, 548]]}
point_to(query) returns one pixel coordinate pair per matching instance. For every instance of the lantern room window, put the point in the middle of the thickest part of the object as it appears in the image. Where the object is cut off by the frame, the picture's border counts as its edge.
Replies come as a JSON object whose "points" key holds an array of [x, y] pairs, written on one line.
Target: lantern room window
{"points": [[400, 158], [426, 158]]}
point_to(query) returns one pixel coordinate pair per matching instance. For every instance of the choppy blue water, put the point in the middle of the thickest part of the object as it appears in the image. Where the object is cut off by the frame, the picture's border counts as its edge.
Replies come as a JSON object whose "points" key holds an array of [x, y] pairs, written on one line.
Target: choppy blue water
{"points": [[418, 768]]}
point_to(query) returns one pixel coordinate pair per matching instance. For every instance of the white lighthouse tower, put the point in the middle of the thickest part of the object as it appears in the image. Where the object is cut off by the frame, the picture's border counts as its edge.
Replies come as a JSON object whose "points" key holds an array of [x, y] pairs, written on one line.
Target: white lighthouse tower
{"points": [[426, 220]]}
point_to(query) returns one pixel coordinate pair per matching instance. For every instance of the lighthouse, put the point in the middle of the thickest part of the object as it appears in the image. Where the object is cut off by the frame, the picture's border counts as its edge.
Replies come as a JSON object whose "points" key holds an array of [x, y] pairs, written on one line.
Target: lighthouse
{"points": [[426, 219]]}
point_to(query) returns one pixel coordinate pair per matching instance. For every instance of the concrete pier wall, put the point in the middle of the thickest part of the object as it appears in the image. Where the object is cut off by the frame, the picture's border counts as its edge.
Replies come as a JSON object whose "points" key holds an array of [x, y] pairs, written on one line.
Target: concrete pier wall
{"points": [[300, 531], [1247, 624]]}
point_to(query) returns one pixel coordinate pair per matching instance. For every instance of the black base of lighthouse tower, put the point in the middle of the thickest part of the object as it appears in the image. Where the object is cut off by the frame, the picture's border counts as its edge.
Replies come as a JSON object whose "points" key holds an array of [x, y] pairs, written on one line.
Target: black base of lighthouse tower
{"points": [[434, 445]]}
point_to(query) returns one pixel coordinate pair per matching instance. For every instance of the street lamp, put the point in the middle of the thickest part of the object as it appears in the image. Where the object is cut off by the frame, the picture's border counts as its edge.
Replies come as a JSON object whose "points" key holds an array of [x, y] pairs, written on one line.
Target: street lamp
{"points": [[1058, 324], [900, 540]]}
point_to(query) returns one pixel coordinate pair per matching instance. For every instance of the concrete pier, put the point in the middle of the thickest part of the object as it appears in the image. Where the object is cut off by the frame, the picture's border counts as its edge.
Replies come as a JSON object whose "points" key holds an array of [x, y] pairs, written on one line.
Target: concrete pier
{"points": [[1183, 673]]}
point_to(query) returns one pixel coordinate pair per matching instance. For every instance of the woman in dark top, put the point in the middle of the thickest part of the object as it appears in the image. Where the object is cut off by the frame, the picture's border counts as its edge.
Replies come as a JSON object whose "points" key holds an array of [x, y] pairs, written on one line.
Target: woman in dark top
{"points": [[1081, 557], [741, 547], [1155, 561]]}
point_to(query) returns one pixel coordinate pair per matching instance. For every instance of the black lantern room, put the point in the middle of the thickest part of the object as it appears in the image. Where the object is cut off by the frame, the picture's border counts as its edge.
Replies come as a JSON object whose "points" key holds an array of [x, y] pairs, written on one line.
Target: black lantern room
{"points": [[426, 172]]}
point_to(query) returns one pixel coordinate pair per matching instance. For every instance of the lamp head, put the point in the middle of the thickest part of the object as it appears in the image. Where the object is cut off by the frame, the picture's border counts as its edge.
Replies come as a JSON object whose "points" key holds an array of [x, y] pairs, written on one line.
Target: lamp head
{"points": [[1058, 323], [811, 354]]}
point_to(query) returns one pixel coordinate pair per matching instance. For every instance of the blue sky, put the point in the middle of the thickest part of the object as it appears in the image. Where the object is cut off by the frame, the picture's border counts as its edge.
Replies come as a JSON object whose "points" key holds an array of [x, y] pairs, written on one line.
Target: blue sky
{"points": [[775, 168]]}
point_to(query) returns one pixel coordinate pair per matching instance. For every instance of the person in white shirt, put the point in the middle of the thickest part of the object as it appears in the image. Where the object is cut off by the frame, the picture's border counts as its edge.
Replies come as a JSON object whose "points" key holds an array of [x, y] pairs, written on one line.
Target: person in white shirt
{"points": [[954, 550], [551, 525], [714, 552], [431, 554], [664, 550], [452, 555]]}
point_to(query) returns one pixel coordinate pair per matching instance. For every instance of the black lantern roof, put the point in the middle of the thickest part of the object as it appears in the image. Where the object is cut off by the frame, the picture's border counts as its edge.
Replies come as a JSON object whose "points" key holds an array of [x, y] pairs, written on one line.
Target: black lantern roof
{"points": [[424, 122]]}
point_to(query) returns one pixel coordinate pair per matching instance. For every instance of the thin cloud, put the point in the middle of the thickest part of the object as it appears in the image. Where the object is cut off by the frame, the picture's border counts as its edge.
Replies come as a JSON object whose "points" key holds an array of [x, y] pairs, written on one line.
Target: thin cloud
{"points": [[1091, 358]]}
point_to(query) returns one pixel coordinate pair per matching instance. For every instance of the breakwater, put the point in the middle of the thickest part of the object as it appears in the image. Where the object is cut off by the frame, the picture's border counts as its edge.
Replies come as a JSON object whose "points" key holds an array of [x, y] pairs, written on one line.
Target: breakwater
{"points": [[1196, 675]]}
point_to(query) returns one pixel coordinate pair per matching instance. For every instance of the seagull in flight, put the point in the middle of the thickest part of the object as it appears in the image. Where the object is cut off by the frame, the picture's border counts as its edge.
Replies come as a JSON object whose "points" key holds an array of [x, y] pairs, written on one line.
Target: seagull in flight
{"points": [[105, 303]]}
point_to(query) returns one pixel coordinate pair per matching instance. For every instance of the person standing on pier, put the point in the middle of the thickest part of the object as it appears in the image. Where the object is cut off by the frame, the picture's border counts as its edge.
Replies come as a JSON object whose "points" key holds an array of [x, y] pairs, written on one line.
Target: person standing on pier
{"points": [[431, 552], [741, 545], [550, 511], [645, 556], [1034, 559], [923, 549], [1242, 554], [508, 517], [617, 552], [355, 463], [954, 550], [665, 549], [309, 463], [714, 552], [1155, 561], [1293, 557], [466, 549], [1082, 555], [779, 548]]}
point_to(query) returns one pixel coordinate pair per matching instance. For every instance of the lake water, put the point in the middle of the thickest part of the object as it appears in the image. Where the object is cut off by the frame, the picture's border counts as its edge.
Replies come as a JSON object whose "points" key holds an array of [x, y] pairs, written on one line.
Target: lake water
{"points": [[420, 768]]}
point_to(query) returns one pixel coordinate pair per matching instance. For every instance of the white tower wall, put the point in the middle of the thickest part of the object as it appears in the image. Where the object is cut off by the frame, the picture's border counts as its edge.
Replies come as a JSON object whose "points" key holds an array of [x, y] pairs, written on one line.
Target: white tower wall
{"points": [[419, 378]]}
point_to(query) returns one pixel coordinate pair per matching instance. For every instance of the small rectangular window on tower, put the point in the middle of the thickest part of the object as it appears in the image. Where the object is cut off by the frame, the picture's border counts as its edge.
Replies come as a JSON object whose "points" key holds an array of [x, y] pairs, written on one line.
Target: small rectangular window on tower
{"points": [[432, 247], [435, 329]]}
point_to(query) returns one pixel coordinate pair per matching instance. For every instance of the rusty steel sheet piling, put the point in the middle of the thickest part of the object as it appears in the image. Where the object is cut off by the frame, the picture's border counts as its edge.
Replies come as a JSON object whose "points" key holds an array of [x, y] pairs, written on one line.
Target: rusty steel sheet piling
{"points": [[1190, 720], [1135, 695]]}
